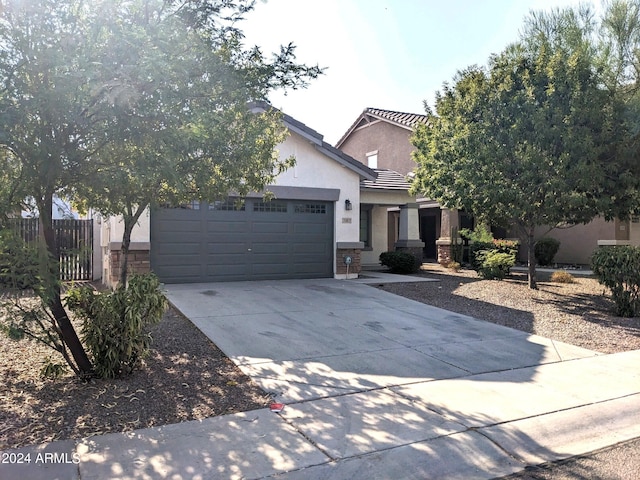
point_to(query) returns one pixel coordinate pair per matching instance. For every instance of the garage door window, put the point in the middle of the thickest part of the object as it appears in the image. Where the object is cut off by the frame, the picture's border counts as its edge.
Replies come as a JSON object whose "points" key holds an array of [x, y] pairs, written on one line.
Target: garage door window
{"points": [[272, 206], [310, 208], [228, 205]]}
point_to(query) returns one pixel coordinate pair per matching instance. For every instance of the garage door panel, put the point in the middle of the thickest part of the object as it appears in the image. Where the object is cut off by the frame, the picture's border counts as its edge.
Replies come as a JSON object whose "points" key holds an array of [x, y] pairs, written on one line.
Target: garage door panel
{"points": [[270, 248], [309, 248], [310, 229], [229, 268], [225, 246], [275, 227], [219, 245], [214, 228], [174, 226], [269, 269], [176, 248]]}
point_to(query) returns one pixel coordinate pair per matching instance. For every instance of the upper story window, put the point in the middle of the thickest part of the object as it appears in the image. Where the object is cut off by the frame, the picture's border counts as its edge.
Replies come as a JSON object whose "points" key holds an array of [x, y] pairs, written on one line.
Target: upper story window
{"points": [[372, 159]]}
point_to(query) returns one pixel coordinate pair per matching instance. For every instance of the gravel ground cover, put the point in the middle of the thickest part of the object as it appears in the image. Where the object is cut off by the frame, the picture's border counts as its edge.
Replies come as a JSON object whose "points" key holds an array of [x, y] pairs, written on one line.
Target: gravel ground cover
{"points": [[186, 377], [578, 313]]}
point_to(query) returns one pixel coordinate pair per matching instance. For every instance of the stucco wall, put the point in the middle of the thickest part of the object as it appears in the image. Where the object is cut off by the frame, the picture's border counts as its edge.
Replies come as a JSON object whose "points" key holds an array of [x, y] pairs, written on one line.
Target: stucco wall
{"points": [[140, 233], [578, 243], [379, 241], [392, 142], [314, 169]]}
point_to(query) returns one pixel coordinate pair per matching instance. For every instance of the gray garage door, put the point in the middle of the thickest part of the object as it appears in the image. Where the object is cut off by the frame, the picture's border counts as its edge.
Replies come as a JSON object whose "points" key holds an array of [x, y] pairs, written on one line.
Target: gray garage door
{"points": [[256, 240]]}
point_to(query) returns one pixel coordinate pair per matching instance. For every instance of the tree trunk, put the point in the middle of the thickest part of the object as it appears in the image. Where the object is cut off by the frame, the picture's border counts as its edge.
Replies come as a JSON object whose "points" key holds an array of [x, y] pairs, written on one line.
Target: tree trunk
{"points": [[124, 251], [130, 220], [531, 259], [52, 299]]}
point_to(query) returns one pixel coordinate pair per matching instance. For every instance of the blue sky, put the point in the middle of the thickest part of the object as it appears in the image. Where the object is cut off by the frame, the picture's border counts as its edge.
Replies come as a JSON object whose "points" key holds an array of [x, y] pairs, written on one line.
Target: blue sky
{"points": [[390, 54]]}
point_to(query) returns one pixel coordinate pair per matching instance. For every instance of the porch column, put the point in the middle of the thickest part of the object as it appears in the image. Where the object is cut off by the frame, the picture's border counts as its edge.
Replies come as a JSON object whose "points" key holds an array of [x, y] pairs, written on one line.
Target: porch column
{"points": [[449, 220], [409, 235]]}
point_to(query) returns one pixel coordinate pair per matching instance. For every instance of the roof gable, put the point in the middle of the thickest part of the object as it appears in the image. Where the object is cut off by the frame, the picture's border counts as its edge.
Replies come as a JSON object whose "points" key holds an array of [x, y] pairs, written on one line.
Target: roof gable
{"points": [[317, 140], [404, 120]]}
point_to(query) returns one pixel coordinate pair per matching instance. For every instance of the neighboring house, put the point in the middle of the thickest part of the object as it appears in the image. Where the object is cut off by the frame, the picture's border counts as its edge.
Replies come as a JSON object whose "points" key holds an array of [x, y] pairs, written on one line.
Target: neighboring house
{"points": [[380, 139], [305, 232]]}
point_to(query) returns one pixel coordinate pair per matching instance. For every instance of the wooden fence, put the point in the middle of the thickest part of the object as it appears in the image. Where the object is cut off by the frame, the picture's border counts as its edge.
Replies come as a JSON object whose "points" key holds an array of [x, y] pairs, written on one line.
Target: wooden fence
{"points": [[74, 244]]}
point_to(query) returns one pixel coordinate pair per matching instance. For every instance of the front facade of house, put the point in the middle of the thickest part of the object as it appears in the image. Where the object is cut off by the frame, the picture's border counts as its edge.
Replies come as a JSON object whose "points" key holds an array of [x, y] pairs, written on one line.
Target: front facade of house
{"points": [[381, 139], [307, 231]]}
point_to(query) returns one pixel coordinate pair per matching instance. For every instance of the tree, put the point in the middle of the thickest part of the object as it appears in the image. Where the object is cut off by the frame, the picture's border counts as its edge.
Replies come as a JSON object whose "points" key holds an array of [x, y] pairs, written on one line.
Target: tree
{"points": [[182, 117], [530, 141], [113, 101]]}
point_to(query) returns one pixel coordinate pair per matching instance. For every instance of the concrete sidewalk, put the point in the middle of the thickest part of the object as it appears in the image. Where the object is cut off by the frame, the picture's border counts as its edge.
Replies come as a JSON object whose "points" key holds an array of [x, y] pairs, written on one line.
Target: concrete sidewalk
{"points": [[375, 386]]}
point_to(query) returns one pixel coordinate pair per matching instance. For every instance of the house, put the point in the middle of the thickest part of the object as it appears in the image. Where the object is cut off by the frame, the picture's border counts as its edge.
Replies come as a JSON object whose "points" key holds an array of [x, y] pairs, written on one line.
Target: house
{"points": [[311, 228], [380, 139]]}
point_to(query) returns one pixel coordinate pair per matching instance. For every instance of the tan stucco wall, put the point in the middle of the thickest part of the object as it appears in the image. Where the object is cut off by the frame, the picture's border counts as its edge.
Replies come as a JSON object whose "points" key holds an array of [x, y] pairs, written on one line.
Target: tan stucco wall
{"points": [[392, 143], [578, 243], [378, 237]]}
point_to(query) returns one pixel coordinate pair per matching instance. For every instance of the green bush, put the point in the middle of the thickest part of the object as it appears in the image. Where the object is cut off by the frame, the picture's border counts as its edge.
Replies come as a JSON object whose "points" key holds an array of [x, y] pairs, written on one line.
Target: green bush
{"points": [[115, 324], [400, 262], [545, 249], [619, 269], [494, 265], [482, 241], [18, 262]]}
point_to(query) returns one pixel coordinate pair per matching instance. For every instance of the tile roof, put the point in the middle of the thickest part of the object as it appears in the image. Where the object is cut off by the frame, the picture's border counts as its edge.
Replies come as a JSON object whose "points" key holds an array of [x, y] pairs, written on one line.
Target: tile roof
{"points": [[402, 119], [406, 119], [386, 180]]}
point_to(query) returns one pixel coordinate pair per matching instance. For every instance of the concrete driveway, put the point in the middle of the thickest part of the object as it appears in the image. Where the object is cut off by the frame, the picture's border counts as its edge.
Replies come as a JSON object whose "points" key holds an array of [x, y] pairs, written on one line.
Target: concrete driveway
{"points": [[310, 339], [367, 374], [376, 387]]}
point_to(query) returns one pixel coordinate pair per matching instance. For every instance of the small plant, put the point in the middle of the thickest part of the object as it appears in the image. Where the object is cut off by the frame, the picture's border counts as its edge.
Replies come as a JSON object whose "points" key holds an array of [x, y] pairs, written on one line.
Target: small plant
{"points": [[455, 266], [491, 258], [562, 276], [18, 262], [115, 324], [495, 265], [545, 249], [400, 262], [618, 268], [52, 370]]}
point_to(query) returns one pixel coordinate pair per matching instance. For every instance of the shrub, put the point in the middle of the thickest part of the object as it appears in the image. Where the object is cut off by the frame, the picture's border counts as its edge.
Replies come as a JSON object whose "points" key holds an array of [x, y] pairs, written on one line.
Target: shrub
{"points": [[400, 262], [495, 265], [455, 266], [619, 269], [562, 276], [115, 324], [18, 262], [545, 249]]}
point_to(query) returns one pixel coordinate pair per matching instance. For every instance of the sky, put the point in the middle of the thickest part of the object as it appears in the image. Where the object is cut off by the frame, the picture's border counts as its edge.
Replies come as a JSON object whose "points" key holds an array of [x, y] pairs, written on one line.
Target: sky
{"points": [[389, 54]]}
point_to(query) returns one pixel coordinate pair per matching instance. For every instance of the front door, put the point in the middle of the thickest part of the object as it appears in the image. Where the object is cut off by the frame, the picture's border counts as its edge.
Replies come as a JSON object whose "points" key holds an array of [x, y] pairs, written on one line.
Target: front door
{"points": [[428, 234]]}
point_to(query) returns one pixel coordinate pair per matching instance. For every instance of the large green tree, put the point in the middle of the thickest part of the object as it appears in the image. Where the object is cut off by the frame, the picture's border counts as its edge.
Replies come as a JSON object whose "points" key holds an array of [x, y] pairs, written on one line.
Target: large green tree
{"points": [[121, 102], [531, 140]]}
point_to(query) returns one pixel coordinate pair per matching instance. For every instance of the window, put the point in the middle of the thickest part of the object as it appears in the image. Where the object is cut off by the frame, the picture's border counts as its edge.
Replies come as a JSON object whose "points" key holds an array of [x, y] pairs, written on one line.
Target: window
{"points": [[272, 206], [228, 205], [365, 225], [310, 208], [192, 205], [372, 159]]}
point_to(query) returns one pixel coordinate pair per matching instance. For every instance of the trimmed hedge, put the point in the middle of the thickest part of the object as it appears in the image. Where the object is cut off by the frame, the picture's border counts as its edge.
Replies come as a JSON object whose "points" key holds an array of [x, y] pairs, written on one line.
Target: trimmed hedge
{"points": [[545, 249], [400, 262]]}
